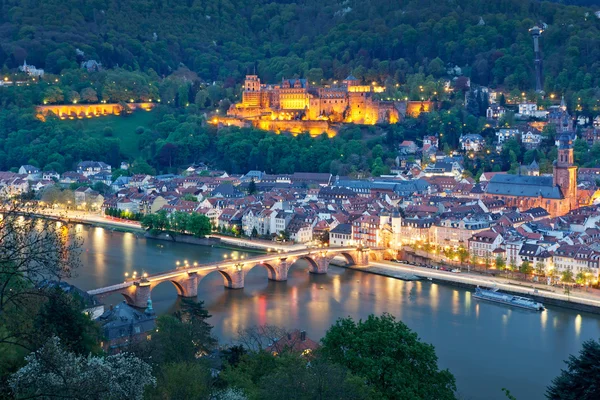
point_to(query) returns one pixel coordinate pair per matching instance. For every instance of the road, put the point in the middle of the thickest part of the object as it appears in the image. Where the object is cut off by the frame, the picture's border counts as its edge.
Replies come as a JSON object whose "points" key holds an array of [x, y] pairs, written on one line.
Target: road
{"points": [[591, 297], [260, 244], [91, 218]]}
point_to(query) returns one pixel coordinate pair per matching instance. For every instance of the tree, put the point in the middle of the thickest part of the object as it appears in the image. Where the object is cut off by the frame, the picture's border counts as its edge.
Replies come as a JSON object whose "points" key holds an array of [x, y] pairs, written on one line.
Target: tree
{"points": [[540, 268], [141, 166], [512, 266], [463, 254], [389, 356], [184, 380], [252, 187], [54, 372], [61, 315], [525, 268], [179, 221], [89, 95], [53, 95], [190, 197], [580, 278], [73, 96], [567, 277], [195, 315], [182, 337], [198, 225], [263, 375], [579, 381], [32, 250], [172, 343]]}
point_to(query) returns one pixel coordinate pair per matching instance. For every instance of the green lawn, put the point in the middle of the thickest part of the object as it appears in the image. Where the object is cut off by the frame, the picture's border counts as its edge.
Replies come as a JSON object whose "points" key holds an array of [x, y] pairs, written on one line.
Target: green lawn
{"points": [[123, 129]]}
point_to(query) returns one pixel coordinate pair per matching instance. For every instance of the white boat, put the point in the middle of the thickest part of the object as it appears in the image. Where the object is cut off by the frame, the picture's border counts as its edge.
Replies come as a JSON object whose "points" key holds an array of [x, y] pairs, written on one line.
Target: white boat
{"points": [[509, 299]]}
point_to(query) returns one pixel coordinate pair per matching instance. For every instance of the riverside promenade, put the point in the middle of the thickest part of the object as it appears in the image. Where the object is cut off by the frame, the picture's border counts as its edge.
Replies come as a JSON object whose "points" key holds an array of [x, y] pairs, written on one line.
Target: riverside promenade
{"points": [[89, 218], [578, 299]]}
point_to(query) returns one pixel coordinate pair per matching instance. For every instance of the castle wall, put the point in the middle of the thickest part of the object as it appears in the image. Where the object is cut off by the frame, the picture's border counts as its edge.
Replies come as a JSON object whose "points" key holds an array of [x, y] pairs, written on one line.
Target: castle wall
{"points": [[80, 111], [314, 128], [293, 99], [415, 108]]}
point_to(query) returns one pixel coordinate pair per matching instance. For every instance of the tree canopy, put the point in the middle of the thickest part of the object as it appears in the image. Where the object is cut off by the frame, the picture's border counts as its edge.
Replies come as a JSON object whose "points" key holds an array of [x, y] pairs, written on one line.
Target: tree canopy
{"points": [[579, 381], [389, 356]]}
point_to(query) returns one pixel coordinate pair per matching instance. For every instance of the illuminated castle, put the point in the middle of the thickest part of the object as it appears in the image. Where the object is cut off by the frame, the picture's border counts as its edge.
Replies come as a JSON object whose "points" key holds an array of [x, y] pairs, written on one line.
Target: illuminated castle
{"points": [[297, 107]]}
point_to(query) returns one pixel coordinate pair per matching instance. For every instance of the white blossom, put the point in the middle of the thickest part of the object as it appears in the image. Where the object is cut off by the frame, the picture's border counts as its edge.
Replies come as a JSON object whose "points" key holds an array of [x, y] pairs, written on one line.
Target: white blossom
{"points": [[53, 371]]}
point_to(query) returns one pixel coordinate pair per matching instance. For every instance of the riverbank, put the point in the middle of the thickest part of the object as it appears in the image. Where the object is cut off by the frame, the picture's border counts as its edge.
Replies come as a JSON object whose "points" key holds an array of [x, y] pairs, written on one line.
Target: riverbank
{"points": [[211, 241], [577, 301], [265, 245], [94, 220]]}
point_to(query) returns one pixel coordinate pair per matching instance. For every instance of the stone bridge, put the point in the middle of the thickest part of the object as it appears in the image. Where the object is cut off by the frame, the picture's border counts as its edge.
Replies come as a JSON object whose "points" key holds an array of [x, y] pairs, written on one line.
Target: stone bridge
{"points": [[186, 279]]}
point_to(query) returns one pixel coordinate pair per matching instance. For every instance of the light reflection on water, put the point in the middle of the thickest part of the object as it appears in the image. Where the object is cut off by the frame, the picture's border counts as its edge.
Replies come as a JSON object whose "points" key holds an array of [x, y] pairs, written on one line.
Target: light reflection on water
{"points": [[485, 345]]}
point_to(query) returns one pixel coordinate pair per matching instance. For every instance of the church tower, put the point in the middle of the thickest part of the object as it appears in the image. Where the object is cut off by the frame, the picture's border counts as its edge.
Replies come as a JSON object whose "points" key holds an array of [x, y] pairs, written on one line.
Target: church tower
{"points": [[565, 173]]}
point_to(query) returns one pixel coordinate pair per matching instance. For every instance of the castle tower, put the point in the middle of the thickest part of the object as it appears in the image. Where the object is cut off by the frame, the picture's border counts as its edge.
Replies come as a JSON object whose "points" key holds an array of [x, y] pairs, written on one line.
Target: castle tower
{"points": [[565, 173], [251, 93], [535, 32]]}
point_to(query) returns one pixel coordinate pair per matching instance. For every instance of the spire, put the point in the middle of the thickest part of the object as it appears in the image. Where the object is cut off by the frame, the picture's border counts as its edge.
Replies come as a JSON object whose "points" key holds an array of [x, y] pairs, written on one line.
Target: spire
{"points": [[563, 105]]}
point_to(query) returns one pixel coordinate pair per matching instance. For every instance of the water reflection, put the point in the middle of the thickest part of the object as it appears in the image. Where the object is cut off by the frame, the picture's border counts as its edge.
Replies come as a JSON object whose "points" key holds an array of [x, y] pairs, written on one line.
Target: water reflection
{"points": [[526, 354], [455, 302], [544, 319], [434, 298]]}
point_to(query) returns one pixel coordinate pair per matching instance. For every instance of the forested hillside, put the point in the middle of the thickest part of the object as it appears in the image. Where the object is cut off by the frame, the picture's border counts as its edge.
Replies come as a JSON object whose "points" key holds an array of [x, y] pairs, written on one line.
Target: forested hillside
{"points": [[223, 39]]}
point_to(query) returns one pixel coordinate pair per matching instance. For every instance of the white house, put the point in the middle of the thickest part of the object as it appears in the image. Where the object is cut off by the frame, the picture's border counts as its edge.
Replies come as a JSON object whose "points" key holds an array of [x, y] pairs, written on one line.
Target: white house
{"points": [[530, 110], [531, 140], [341, 236], [89, 168], [483, 244], [31, 70], [504, 134], [32, 172], [472, 142]]}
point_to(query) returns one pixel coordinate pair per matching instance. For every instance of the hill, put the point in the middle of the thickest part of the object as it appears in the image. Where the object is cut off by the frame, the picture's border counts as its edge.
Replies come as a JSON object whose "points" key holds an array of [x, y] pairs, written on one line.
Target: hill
{"points": [[224, 39]]}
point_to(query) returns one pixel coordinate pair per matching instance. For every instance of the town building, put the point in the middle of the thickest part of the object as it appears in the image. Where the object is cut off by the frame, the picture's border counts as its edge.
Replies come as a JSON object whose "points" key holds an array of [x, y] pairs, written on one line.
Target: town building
{"points": [[504, 134], [124, 325], [31, 70], [472, 142], [341, 236], [556, 194], [89, 168]]}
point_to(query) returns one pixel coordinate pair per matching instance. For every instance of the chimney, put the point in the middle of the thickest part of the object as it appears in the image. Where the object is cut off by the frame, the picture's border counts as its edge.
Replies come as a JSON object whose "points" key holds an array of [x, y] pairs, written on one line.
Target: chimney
{"points": [[289, 335], [303, 335]]}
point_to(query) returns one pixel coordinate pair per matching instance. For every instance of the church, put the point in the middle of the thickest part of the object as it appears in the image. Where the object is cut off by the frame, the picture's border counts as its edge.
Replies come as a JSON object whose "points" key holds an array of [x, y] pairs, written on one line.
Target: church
{"points": [[557, 194]]}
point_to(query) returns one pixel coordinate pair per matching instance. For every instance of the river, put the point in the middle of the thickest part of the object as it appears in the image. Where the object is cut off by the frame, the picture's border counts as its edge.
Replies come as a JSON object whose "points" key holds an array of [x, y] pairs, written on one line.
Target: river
{"points": [[486, 346]]}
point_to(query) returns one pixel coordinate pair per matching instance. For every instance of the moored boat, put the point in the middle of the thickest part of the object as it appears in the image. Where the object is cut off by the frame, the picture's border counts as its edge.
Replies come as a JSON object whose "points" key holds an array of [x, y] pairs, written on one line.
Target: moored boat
{"points": [[509, 299]]}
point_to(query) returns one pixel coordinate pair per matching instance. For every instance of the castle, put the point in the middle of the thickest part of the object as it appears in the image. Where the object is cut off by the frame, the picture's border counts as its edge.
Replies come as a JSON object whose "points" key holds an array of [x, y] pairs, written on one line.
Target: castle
{"points": [[557, 194], [296, 106]]}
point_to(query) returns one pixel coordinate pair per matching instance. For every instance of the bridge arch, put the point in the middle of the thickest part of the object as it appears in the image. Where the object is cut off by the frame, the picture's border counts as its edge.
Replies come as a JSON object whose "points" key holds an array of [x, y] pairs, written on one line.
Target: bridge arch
{"points": [[271, 270], [180, 289], [128, 299], [348, 257], [312, 263], [227, 279]]}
